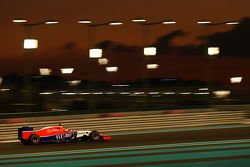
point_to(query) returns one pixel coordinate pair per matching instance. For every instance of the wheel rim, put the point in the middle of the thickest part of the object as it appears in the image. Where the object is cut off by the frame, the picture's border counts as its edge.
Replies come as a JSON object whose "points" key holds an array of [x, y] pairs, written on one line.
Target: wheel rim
{"points": [[95, 136], [35, 139]]}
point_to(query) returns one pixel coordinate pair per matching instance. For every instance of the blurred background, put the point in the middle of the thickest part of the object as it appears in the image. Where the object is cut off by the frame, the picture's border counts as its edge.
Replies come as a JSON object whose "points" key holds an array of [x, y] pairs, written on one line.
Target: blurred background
{"points": [[93, 57]]}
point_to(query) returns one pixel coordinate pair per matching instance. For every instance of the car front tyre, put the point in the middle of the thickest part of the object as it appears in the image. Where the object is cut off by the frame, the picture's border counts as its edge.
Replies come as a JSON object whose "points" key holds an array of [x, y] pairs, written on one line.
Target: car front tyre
{"points": [[95, 136]]}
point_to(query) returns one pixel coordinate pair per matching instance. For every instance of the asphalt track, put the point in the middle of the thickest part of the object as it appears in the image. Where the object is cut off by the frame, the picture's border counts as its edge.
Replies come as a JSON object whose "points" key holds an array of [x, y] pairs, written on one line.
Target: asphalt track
{"points": [[222, 143], [218, 146], [134, 140]]}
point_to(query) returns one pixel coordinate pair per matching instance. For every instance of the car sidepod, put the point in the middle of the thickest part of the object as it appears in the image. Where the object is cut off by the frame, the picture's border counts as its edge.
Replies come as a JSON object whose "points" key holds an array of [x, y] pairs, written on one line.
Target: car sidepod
{"points": [[63, 137]]}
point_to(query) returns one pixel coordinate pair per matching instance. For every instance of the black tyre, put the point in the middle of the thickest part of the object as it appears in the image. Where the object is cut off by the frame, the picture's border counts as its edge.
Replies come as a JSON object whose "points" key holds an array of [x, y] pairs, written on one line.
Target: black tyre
{"points": [[85, 139], [25, 141], [34, 139], [95, 136]]}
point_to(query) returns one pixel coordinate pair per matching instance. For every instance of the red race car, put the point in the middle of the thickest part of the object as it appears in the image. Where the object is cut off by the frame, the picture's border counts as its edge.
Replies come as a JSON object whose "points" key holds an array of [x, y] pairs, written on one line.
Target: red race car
{"points": [[58, 134]]}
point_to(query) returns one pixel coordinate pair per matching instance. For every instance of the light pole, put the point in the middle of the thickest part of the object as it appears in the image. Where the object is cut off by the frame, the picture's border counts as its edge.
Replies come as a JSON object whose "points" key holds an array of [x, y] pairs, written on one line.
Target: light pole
{"points": [[29, 45], [95, 53], [45, 71], [235, 80], [212, 51], [67, 74], [236, 88], [66, 71], [103, 61], [208, 25], [29, 26], [1, 80], [112, 69], [148, 51]]}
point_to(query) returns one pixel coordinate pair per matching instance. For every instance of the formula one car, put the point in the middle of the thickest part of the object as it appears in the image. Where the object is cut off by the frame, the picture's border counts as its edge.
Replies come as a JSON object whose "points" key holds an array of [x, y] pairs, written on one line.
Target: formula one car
{"points": [[58, 134]]}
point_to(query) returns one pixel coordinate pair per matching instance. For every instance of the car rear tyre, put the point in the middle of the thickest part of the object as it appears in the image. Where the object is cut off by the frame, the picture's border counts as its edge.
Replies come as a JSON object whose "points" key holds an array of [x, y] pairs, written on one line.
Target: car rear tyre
{"points": [[95, 136], [34, 139]]}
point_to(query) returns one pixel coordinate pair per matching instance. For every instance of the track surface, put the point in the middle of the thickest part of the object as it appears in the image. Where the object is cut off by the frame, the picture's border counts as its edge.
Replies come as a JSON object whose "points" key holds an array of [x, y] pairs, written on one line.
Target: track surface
{"points": [[130, 123], [214, 147], [134, 140], [212, 138]]}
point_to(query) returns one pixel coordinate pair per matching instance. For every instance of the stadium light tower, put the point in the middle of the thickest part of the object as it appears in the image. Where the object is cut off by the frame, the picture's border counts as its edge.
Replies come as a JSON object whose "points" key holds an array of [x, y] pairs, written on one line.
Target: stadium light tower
{"points": [[148, 50], [212, 51], [30, 43], [95, 53]]}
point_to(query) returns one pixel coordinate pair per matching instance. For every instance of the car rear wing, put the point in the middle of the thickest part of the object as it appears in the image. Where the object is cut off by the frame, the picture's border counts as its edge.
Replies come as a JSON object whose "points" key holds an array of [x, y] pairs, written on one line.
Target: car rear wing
{"points": [[20, 131]]}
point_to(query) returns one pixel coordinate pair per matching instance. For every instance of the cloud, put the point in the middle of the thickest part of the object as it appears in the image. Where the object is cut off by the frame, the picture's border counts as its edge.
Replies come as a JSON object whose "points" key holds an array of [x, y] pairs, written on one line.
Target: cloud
{"points": [[235, 42], [164, 45], [116, 47]]}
